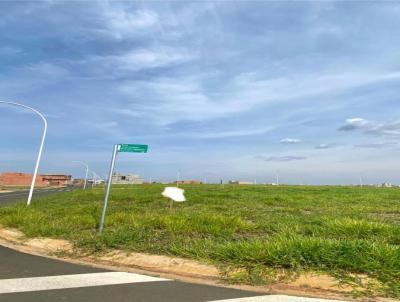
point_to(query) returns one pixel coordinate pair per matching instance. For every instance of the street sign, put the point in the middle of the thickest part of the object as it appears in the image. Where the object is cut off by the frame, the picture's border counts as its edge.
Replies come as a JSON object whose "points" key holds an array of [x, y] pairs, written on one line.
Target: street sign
{"points": [[132, 148], [116, 149]]}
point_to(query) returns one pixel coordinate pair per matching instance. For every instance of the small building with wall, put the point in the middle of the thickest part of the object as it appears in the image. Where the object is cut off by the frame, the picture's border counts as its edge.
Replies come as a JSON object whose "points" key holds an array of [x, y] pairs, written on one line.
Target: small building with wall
{"points": [[25, 179], [128, 179], [56, 180]]}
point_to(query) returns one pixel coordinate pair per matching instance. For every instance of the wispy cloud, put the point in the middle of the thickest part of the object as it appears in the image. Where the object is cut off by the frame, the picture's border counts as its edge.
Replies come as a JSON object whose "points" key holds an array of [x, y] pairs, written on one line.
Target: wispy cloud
{"points": [[380, 145], [233, 133], [388, 128], [117, 65], [290, 141], [124, 21], [285, 158], [326, 146]]}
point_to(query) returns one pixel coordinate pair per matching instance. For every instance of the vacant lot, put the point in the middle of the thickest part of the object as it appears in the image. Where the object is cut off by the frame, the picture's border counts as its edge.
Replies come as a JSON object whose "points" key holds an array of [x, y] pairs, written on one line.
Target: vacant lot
{"points": [[255, 234]]}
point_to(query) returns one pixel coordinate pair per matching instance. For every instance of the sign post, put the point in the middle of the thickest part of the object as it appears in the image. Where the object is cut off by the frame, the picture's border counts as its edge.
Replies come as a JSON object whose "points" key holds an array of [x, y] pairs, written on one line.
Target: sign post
{"points": [[117, 148]]}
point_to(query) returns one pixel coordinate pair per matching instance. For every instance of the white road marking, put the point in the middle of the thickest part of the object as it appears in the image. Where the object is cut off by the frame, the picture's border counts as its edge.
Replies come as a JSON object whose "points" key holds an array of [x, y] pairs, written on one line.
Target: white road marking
{"points": [[71, 281], [276, 298]]}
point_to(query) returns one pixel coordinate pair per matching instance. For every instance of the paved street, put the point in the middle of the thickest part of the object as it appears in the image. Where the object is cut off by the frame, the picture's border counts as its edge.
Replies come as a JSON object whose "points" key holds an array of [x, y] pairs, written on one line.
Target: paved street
{"points": [[31, 278], [22, 195], [25, 277]]}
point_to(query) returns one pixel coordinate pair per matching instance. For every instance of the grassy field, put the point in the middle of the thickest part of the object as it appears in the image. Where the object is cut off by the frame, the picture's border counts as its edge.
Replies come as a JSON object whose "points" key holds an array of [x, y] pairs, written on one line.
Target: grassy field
{"points": [[252, 233]]}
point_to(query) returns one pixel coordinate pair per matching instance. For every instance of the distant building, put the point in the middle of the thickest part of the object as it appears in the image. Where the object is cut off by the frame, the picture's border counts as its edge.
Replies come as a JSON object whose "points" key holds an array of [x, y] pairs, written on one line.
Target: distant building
{"points": [[58, 180], [188, 182], [128, 179], [25, 179], [78, 182], [386, 185], [240, 182]]}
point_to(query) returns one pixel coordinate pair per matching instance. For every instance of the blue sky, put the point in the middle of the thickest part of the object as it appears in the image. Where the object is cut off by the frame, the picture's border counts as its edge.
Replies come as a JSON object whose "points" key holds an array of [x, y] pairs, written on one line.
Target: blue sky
{"points": [[232, 90]]}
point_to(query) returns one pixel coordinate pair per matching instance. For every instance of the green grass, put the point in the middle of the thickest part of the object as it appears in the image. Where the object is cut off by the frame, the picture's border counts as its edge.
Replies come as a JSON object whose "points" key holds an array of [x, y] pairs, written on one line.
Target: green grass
{"points": [[252, 233]]}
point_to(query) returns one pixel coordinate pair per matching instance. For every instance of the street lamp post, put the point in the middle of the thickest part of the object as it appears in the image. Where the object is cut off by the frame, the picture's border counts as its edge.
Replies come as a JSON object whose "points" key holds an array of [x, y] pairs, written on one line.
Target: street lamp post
{"points": [[41, 144], [87, 171], [93, 178], [95, 175]]}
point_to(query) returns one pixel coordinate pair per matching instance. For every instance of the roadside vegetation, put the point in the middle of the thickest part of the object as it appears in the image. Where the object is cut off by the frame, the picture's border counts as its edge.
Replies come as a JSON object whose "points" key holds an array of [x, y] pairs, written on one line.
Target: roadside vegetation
{"points": [[13, 188], [254, 234]]}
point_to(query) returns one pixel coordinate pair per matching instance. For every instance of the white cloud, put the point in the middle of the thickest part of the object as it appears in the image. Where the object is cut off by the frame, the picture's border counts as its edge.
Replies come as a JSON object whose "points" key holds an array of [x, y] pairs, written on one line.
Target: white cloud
{"points": [[123, 22], [290, 141], [326, 146], [386, 128], [133, 60], [285, 158], [354, 123], [233, 133], [145, 58]]}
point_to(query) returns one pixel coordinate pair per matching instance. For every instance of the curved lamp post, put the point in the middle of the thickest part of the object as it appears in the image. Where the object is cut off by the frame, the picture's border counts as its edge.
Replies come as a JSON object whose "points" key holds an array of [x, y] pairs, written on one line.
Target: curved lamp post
{"points": [[41, 144], [94, 177], [87, 171]]}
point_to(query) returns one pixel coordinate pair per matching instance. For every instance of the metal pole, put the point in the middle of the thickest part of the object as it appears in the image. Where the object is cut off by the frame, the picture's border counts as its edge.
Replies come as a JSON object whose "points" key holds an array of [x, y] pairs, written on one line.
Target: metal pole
{"points": [[95, 175], [93, 178], [177, 178], [41, 145], [110, 174], [87, 171], [86, 176]]}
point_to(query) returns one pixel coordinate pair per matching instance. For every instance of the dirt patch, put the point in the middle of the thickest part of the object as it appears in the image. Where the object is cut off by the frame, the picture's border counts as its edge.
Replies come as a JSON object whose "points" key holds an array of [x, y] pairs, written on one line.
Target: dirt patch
{"points": [[50, 245], [47, 245], [160, 263], [308, 284], [319, 281], [12, 235]]}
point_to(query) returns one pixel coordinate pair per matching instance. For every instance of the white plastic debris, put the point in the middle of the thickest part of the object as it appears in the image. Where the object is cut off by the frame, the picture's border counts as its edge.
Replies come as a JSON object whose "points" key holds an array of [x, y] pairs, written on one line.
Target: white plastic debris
{"points": [[176, 194]]}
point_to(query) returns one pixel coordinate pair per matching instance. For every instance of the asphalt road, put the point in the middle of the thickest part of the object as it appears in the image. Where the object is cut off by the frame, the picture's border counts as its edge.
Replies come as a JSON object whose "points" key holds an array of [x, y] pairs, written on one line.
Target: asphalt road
{"points": [[31, 278], [22, 195], [25, 277]]}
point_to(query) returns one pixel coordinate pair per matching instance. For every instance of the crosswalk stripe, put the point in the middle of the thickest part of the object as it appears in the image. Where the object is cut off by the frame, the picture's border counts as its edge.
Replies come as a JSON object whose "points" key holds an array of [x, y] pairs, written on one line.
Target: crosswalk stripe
{"points": [[276, 298], [71, 281]]}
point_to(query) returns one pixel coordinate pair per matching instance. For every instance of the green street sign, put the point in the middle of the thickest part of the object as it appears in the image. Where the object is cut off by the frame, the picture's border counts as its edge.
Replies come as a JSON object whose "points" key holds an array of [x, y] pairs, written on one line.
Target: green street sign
{"points": [[132, 148]]}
